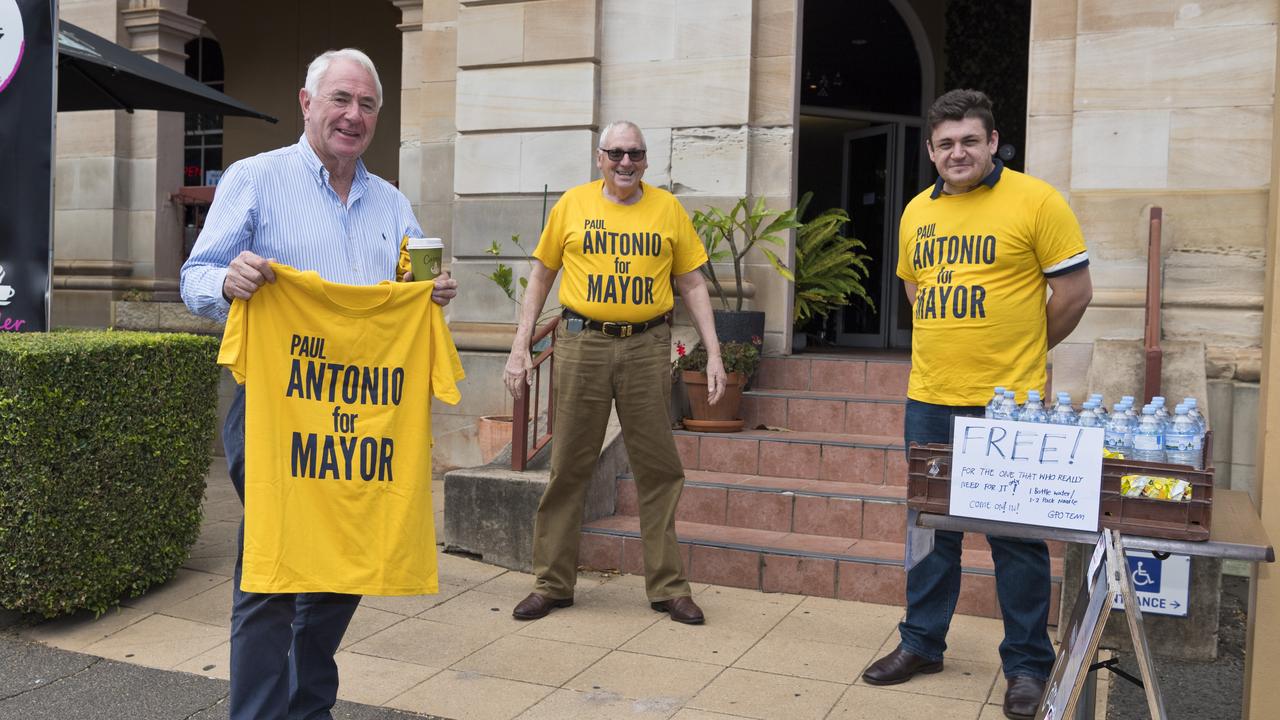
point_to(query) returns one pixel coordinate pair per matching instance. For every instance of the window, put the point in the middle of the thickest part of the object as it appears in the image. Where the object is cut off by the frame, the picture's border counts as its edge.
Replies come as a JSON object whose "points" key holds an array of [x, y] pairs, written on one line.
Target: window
{"points": [[202, 144]]}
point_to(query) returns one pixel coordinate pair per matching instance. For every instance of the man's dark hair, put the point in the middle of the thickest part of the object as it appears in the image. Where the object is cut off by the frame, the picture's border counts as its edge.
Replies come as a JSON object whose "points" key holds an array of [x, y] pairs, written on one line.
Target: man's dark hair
{"points": [[962, 104]]}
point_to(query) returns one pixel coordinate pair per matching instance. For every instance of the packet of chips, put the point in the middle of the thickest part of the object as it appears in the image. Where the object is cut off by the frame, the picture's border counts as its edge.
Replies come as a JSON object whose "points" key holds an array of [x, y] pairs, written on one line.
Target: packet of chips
{"points": [[1112, 454], [1154, 487]]}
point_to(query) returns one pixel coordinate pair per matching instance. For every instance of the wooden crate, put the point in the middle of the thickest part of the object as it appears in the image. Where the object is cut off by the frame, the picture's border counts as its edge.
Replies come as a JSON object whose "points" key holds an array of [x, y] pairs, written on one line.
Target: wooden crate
{"points": [[929, 490]]}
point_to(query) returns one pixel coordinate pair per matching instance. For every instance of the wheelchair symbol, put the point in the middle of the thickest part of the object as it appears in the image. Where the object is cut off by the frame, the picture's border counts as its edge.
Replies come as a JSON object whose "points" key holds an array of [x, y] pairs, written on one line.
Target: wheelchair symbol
{"points": [[1141, 578]]}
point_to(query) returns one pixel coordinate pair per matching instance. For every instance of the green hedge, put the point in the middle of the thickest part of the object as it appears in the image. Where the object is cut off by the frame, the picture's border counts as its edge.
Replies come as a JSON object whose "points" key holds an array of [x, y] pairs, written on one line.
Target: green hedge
{"points": [[104, 445]]}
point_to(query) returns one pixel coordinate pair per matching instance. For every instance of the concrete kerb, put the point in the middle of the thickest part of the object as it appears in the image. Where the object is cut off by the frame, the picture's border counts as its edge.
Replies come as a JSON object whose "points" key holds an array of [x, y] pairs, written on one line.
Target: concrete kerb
{"points": [[489, 510]]}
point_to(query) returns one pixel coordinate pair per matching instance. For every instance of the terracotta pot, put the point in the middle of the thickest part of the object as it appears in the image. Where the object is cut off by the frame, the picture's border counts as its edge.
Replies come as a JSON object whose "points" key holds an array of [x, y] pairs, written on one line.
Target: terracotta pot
{"points": [[494, 433], [721, 417]]}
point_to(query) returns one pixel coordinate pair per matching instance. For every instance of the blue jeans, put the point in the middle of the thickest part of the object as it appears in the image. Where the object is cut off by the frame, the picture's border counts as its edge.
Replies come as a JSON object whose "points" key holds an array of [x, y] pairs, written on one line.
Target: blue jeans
{"points": [[282, 645], [933, 586]]}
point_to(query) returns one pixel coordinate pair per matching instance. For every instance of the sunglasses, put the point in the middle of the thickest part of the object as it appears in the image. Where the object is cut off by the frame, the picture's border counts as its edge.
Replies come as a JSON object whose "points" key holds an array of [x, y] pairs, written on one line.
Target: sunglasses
{"points": [[616, 155]]}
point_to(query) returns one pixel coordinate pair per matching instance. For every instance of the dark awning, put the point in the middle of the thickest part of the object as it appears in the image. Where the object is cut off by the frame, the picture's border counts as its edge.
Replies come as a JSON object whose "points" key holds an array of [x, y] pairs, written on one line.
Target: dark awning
{"points": [[97, 74]]}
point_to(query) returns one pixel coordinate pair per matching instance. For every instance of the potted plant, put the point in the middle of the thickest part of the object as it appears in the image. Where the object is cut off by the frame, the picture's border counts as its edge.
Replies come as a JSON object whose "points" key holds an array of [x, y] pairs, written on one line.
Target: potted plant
{"points": [[740, 361], [828, 269], [730, 237]]}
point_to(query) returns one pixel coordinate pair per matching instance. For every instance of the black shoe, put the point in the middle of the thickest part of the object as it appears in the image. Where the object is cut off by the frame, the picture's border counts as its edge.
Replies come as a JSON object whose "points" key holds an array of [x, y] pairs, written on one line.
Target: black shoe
{"points": [[899, 666], [1022, 699], [537, 606], [682, 609]]}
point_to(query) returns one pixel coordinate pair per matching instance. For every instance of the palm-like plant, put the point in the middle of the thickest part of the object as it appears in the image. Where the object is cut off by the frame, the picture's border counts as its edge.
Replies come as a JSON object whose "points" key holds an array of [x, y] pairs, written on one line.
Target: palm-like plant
{"points": [[828, 269], [730, 236]]}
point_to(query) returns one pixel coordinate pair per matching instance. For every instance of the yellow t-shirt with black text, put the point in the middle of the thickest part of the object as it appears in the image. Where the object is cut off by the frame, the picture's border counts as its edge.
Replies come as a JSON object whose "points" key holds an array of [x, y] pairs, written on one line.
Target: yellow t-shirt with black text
{"points": [[338, 385], [618, 259], [979, 261]]}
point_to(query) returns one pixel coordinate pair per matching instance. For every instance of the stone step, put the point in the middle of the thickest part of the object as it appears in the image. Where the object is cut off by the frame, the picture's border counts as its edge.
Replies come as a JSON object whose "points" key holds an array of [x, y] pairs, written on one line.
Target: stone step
{"points": [[880, 373], [823, 411], [843, 457], [793, 505], [862, 570]]}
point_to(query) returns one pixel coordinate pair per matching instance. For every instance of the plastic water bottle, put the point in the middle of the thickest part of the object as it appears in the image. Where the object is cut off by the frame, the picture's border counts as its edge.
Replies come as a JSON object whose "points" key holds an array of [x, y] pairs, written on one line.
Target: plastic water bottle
{"points": [[1100, 408], [1008, 409], [1088, 416], [1033, 410], [1148, 437], [1161, 411], [1063, 413], [1117, 437], [993, 405], [1195, 413], [1184, 440]]}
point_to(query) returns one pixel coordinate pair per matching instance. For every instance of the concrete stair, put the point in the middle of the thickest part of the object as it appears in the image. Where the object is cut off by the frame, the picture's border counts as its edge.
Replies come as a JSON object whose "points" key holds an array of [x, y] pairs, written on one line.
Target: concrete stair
{"points": [[810, 501]]}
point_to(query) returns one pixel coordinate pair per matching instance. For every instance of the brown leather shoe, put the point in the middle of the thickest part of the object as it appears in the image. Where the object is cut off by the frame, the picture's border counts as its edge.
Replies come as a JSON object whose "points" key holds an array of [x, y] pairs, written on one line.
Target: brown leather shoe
{"points": [[681, 609], [1022, 699], [899, 666], [537, 606]]}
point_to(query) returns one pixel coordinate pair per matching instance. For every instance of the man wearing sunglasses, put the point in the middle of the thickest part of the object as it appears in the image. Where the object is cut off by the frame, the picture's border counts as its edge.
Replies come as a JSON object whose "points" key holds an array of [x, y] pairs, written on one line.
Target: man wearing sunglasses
{"points": [[621, 243]]}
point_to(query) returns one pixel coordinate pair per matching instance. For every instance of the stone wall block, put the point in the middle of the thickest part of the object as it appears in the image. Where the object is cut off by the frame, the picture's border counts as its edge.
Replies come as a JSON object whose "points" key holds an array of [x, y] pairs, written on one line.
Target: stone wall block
{"points": [[481, 220], [709, 160], [624, 21], [1106, 16], [1220, 148], [87, 182], [483, 301], [1126, 149], [536, 96], [713, 29], [1212, 326], [439, 11], [1182, 68], [1226, 12], [438, 108], [491, 34], [658, 143], [692, 93], [773, 90], [770, 160], [487, 163], [1051, 78], [1048, 151], [561, 30], [1053, 20], [555, 160], [86, 133], [437, 171], [88, 234], [774, 31], [439, 52], [436, 220]]}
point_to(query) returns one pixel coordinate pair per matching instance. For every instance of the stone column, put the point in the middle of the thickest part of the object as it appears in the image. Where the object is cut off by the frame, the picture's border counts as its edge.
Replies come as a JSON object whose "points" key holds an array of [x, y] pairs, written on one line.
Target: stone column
{"points": [[152, 164], [1262, 656]]}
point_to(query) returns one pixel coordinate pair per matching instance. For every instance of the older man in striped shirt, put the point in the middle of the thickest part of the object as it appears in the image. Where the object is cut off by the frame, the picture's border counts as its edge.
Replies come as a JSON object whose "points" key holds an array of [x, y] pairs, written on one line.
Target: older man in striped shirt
{"points": [[312, 206]]}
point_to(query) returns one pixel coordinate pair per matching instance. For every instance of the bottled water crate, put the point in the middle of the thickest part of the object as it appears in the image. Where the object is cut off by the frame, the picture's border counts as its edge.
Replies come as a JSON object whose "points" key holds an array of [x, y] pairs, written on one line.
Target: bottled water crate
{"points": [[929, 490]]}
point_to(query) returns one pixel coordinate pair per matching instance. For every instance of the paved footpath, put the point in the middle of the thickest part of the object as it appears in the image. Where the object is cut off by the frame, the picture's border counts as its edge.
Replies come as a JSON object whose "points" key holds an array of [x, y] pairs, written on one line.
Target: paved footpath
{"points": [[460, 655]]}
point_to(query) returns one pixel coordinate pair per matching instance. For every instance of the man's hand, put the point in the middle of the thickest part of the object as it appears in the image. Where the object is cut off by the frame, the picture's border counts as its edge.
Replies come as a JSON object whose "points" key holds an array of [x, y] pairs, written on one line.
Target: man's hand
{"points": [[246, 273], [715, 378], [446, 287], [516, 374]]}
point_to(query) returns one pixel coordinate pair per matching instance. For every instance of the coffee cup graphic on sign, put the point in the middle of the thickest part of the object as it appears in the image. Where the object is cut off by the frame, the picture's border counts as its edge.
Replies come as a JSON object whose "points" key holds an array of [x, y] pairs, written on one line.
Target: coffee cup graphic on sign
{"points": [[6, 291]]}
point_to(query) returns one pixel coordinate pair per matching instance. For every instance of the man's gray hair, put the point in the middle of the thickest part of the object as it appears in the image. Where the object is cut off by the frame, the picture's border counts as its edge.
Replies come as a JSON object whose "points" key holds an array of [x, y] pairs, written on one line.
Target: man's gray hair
{"points": [[604, 134], [319, 66]]}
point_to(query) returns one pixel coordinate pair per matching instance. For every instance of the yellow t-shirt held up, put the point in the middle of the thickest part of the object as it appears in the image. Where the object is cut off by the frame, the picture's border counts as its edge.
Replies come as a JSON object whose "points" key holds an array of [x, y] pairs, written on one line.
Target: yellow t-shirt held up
{"points": [[338, 385], [618, 259], [979, 261]]}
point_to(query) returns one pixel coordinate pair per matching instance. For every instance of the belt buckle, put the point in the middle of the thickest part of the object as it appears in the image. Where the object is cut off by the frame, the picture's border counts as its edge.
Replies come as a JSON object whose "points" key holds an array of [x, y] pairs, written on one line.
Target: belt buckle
{"points": [[616, 329]]}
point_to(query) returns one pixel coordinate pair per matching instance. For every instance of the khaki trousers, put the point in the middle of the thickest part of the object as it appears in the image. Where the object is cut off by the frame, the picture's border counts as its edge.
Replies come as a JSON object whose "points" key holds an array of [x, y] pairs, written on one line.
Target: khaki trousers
{"points": [[593, 372]]}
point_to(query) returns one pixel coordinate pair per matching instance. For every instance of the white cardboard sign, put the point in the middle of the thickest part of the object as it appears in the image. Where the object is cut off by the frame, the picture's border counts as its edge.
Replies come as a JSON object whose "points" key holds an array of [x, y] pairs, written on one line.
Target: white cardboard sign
{"points": [[1029, 473]]}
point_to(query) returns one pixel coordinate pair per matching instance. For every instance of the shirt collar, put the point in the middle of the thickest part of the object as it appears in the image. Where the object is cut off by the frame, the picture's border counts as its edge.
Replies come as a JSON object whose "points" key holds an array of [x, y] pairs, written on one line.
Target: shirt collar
{"points": [[312, 161], [990, 180]]}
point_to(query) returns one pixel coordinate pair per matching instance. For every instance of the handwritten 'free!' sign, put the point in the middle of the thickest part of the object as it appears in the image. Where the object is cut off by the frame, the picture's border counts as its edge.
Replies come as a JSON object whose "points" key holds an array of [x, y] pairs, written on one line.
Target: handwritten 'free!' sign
{"points": [[1028, 473]]}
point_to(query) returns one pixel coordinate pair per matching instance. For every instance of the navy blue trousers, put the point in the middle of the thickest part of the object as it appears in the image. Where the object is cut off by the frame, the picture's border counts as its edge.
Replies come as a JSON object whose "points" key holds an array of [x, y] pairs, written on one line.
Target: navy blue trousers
{"points": [[282, 645]]}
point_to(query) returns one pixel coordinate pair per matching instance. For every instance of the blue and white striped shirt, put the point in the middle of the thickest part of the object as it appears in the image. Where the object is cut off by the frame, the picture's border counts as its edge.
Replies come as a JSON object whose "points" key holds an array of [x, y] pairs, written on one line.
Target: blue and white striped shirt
{"points": [[280, 205]]}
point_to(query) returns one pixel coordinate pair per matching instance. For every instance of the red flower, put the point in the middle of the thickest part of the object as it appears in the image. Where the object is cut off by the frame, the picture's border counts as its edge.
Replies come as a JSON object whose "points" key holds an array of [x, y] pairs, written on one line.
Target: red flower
{"points": [[755, 340], [680, 349]]}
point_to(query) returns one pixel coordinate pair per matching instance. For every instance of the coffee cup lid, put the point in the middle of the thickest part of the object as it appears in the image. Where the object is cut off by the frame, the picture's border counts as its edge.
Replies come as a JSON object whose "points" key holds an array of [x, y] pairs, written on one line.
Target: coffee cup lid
{"points": [[425, 243]]}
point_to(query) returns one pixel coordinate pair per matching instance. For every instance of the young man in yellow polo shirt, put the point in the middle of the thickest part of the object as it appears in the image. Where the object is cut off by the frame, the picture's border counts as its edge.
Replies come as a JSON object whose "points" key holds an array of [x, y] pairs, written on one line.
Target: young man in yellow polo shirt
{"points": [[977, 252]]}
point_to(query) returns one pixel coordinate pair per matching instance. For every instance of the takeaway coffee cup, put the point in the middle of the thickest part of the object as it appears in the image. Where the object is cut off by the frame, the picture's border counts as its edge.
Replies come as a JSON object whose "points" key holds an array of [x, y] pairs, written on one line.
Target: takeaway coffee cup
{"points": [[426, 255]]}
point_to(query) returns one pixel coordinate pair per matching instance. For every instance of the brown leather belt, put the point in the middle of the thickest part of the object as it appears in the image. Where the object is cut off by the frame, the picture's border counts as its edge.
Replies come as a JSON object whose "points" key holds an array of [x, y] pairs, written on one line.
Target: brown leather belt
{"points": [[618, 329]]}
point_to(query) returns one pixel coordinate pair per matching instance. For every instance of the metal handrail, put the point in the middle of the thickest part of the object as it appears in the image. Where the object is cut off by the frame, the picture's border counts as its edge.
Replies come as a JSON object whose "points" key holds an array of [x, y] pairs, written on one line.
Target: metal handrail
{"points": [[1154, 356], [521, 409]]}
